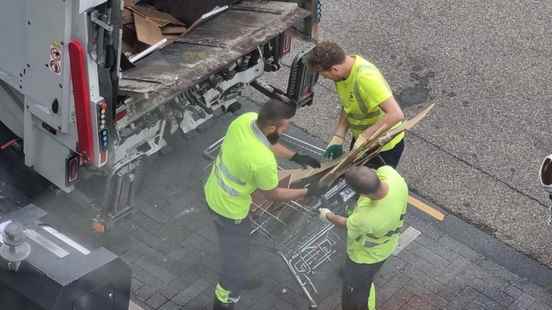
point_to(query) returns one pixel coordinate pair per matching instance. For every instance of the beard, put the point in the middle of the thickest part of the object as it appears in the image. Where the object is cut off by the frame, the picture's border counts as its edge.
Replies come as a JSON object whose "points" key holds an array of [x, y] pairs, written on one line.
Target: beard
{"points": [[273, 137]]}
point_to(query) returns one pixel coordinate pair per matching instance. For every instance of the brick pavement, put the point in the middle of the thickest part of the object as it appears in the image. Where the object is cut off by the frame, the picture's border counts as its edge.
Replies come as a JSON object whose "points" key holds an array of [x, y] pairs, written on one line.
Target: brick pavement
{"points": [[173, 250]]}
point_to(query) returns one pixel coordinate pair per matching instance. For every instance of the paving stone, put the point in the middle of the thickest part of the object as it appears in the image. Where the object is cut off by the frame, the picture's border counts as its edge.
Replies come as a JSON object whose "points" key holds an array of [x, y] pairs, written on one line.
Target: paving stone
{"points": [[428, 255], [146, 223], [450, 290], [455, 270], [151, 240], [196, 241], [393, 263], [279, 304], [487, 303], [539, 306], [141, 304], [401, 298], [496, 270], [435, 247], [387, 290], [296, 299], [331, 302], [145, 292], [156, 268], [536, 291], [201, 301], [156, 300], [156, 212], [492, 287], [422, 265], [170, 306], [513, 291], [188, 294], [523, 302], [145, 277], [418, 303], [428, 294], [422, 279], [135, 284], [263, 296], [459, 248]]}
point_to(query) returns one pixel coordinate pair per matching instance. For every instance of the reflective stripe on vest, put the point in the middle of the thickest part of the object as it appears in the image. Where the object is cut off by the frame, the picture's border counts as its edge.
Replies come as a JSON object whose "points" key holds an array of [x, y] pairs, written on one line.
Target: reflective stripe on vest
{"points": [[222, 167], [220, 181], [222, 173], [372, 241]]}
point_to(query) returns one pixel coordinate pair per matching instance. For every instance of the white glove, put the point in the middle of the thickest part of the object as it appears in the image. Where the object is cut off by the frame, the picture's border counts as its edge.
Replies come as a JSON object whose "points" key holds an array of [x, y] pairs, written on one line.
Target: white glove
{"points": [[324, 213]]}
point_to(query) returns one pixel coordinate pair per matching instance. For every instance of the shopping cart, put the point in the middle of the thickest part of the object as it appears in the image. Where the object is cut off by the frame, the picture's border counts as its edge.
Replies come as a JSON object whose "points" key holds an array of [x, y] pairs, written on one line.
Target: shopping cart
{"points": [[303, 241]]}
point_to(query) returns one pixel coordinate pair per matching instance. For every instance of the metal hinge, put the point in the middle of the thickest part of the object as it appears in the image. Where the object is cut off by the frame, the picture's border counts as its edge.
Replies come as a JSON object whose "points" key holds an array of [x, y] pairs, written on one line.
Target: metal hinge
{"points": [[96, 18]]}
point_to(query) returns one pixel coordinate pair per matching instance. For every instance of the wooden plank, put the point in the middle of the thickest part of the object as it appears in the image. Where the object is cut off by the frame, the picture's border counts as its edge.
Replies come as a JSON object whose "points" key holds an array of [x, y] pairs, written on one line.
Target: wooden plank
{"points": [[434, 213], [374, 145], [300, 174]]}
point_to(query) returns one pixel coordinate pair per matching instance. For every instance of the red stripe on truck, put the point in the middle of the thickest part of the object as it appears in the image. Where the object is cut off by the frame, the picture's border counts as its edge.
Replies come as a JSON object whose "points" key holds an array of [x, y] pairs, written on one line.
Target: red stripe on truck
{"points": [[81, 94]]}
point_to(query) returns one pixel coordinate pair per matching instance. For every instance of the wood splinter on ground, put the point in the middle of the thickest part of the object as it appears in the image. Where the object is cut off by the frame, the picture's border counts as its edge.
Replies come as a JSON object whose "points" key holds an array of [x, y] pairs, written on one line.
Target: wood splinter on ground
{"points": [[434, 213]]}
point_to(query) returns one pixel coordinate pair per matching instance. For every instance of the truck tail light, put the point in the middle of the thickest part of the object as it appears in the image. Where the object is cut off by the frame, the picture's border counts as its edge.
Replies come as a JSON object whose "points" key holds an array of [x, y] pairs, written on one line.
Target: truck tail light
{"points": [[81, 95], [103, 132], [285, 43]]}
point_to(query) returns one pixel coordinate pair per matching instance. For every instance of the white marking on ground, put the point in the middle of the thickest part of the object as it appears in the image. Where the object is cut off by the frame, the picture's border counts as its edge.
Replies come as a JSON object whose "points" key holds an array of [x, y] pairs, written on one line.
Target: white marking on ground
{"points": [[407, 236]]}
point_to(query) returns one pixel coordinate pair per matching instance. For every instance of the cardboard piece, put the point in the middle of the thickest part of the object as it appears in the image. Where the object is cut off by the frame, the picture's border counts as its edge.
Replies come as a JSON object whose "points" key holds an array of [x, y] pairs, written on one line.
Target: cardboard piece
{"points": [[162, 19], [356, 157], [146, 30], [149, 25]]}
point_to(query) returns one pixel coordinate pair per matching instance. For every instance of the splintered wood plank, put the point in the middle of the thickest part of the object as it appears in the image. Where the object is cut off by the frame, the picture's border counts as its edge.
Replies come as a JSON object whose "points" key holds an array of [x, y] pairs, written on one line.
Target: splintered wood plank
{"points": [[374, 144], [300, 174], [434, 213]]}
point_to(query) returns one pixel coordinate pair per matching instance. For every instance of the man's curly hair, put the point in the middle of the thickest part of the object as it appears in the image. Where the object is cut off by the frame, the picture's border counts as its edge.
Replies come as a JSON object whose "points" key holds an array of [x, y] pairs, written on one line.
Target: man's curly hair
{"points": [[326, 54]]}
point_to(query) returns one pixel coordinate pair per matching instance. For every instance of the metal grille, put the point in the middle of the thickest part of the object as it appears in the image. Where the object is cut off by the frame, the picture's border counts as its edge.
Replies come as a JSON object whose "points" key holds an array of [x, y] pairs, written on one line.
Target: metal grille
{"points": [[303, 241]]}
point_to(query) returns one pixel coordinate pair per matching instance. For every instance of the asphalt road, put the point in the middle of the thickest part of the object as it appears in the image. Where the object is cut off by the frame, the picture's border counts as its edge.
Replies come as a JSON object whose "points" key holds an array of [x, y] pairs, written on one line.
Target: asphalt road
{"points": [[487, 67]]}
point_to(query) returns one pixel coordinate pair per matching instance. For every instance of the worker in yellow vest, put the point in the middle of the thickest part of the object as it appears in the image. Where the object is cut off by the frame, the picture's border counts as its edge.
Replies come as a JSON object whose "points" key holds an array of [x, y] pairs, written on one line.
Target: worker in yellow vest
{"points": [[373, 230], [246, 163], [366, 99]]}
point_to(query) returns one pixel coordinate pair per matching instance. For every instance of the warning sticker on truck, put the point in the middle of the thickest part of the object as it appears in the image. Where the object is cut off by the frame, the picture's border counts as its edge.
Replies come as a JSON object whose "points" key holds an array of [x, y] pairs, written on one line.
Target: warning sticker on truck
{"points": [[55, 62]]}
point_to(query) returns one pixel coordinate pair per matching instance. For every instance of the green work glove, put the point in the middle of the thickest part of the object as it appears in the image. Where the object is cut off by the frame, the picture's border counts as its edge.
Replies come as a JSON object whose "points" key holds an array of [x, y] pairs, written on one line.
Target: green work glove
{"points": [[335, 148]]}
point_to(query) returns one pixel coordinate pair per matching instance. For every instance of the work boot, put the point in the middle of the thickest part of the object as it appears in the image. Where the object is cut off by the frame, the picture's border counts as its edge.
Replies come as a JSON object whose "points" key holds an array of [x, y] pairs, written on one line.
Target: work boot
{"points": [[218, 305]]}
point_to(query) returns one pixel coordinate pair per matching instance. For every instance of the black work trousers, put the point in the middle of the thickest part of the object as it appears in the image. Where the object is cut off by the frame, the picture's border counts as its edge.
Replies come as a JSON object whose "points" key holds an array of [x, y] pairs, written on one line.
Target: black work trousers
{"points": [[389, 158], [357, 280], [234, 249]]}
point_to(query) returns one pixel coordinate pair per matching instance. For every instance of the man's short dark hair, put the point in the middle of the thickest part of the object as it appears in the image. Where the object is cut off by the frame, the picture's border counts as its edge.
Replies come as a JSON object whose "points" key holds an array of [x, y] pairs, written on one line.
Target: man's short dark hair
{"points": [[274, 111], [325, 55], [363, 180]]}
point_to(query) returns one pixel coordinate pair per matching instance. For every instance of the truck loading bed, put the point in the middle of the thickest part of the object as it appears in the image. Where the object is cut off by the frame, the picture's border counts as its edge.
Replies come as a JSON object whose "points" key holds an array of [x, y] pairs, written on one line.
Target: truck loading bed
{"points": [[205, 50]]}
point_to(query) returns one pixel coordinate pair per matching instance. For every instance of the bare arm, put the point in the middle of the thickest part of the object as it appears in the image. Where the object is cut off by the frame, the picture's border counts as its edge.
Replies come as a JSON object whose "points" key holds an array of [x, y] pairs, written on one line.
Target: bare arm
{"points": [[337, 220], [342, 125], [393, 115], [280, 194], [281, 151]]}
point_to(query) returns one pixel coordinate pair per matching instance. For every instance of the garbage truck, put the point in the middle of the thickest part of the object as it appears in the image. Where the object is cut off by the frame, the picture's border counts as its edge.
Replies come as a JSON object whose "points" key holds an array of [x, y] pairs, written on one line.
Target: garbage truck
{"points": [[93, 88]]}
